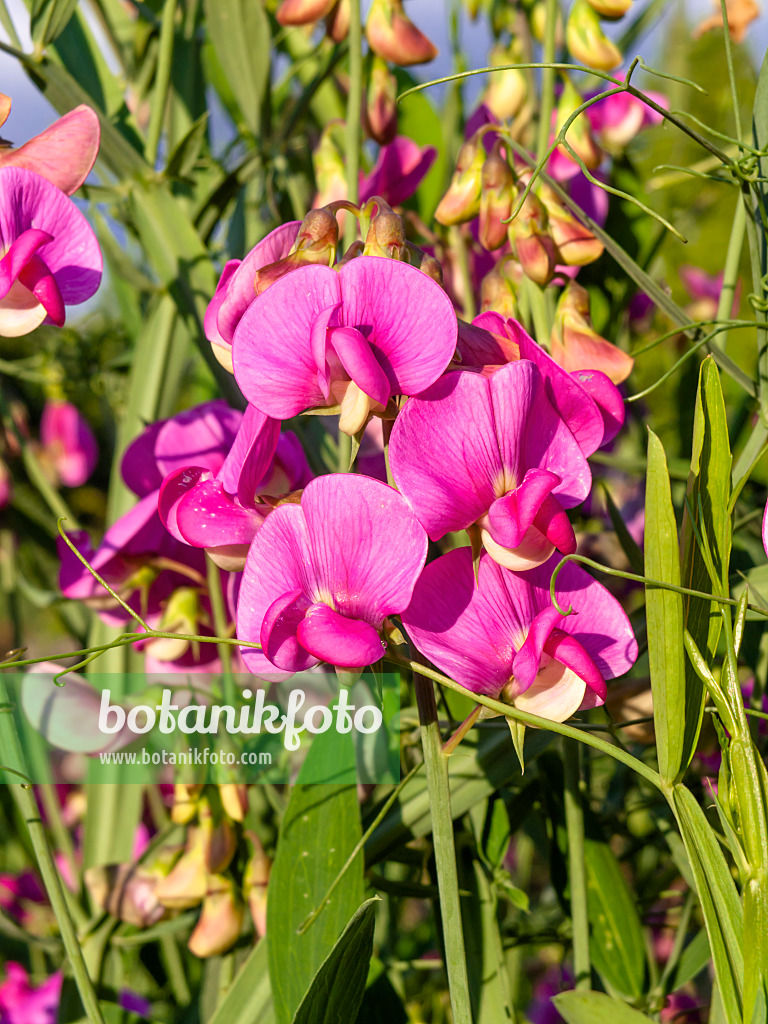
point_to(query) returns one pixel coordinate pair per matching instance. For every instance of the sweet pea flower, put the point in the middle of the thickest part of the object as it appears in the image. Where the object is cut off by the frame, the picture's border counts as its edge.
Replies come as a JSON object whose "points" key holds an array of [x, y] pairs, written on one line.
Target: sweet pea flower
{"points": [[51, 258], [21, 1003], [222, 511], [322, 576], [587, 401], [64, 153], [69, 446], [351, 338], [491, 452], [576, 345], [502, 637], [617, 119], [138, 558]]}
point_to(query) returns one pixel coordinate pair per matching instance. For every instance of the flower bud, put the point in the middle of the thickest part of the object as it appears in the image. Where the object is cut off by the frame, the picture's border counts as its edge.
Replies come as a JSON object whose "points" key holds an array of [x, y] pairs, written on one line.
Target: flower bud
{"points": [[586, 40], [576, 245], [255, 880], [217, 835], [328, 165], [337, 22], [507, 90], [303, 12], [386, 235], [537, 17], [575, 344], [381, 106], [579, 134], [181, 615], [393, 36], [186, 885], [234, 799], [316, 242], [533, 244], [428, 265], [129, 891], [496, 199], [219, 924], [611, 9], [462, 200], [185, 799], [498, 289]]}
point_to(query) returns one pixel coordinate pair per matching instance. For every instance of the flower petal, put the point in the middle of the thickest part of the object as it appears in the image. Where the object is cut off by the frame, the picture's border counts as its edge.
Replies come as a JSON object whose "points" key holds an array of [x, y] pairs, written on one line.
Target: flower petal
{"points": [[278, 637], [510, 517], [556, 693], [398, 171], [200, 436], [64, 153], [358, 360], [250, 456], [606, 397], [208, 517], [348, 643]]}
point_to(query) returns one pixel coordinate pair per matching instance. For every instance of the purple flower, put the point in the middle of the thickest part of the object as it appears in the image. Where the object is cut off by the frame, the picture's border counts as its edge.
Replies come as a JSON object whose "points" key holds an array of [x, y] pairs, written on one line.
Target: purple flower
{"points": [[21, 1003], [617, 119], [222, 511], [352, 337], [704, 289], [322, 576], [68, 443], [491, 451], [6, 485], [51, 258], [235, 290], [502, 635], [399, 170], [587, 400]]}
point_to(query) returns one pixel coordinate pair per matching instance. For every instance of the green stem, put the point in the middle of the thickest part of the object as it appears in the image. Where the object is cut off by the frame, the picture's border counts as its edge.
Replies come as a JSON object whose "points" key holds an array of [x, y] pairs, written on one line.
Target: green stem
{"points": [[459, 249], [220, 626], [436, 764], [162, 81], [539, 317], [577, 873], [731, 72], [354, 104], [732, 261], [547, 79]]}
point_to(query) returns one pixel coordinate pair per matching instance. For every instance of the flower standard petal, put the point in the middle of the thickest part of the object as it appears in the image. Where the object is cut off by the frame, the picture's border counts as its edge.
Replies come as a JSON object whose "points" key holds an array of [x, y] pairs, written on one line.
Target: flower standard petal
{"points": [[69, 441], [200, 436], [64, 153]]}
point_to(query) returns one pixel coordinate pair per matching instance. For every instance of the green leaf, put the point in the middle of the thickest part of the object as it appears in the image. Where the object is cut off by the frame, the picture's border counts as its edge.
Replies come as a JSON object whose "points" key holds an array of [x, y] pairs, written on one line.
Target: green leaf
{"points": [[302, 874], [664, 615], [337, 989], [720, 904], [693, 960], [112, 815], [48, 19], [248, 999], [708, 496], [617, 943], [182, 160], [628, 543], [596, 1008], [239, 31]]}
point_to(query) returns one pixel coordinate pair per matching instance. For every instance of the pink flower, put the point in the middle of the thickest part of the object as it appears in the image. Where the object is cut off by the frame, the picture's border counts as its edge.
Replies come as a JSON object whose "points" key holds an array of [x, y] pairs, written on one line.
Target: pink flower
{"points": [[491, 451], [20, 1003], [588, 402], [6, 485], [235, 290], [68, 443], [353, 337], [64, 153], [617, 119], [704, 289], [322, 576], [400, 168], [222, 511], [503, 636], [51, 258]]}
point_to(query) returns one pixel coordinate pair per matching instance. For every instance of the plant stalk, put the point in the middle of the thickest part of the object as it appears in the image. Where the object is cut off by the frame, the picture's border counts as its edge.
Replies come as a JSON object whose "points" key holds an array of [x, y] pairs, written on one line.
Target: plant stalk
{"points": [[577, 873]]}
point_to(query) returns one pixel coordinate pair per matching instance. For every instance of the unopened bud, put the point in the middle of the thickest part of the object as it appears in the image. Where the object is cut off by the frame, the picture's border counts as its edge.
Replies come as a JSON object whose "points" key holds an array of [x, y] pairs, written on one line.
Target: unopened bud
{"points": [[186, 885], [537, 17], [507, 90], [217, 836], [496, 199], [185, 800], [220, 921], [462, 200], [255, 880], [303, 12], [611, 9], [328, 165], [431, 267], [381, 105], [575, 344], [576, 245], [586, 40], [498, 289], [129, 891], [234, 799], [316, 243], [181, 615], [579, 133], [533, 244], [337, 22], [386, 236], [393, 36]]}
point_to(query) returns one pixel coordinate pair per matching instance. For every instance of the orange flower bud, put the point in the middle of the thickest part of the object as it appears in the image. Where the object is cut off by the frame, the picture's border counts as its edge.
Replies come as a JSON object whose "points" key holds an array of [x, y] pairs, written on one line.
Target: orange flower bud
{"points": [[575, 344], [219, 924], [303, 12], [381, 107], [498, 289], [506, 91], [533, 244], [587, 41], [462, 200], [316, 242], [255, 882], [185, 799], [611, 9], [393, 36], [579, 134], [496, 199], [234, 799], [186, 885], [576, 244], [337, 22]]}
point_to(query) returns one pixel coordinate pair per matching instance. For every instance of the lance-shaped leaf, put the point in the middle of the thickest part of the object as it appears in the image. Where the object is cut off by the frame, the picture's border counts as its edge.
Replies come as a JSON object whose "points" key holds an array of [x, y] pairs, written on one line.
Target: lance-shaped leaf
{"points": [[248, 1000], [705, 538], [664, 615], [239, 31], [596, 1008], [49, 18]]}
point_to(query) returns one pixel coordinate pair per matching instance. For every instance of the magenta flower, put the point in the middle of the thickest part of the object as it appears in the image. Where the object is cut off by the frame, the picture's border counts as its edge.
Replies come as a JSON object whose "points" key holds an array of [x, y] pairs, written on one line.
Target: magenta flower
{"points": [[399, 170], [68, 443], [235, 290], [21, 1003], [588, 402], [352, 337], [502, 635], [138, 558], [222, 511], [617, 119], [704, 290], [6, 485], [491, 451], [51, 258], [321, 577], [64, 153]]}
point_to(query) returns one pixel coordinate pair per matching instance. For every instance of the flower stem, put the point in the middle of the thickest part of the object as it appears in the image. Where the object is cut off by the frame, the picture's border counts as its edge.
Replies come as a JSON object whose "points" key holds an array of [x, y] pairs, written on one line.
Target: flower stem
{"points": [[547, 79], [574, 824], [354, 105], [436, 764], [220, 626]]}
